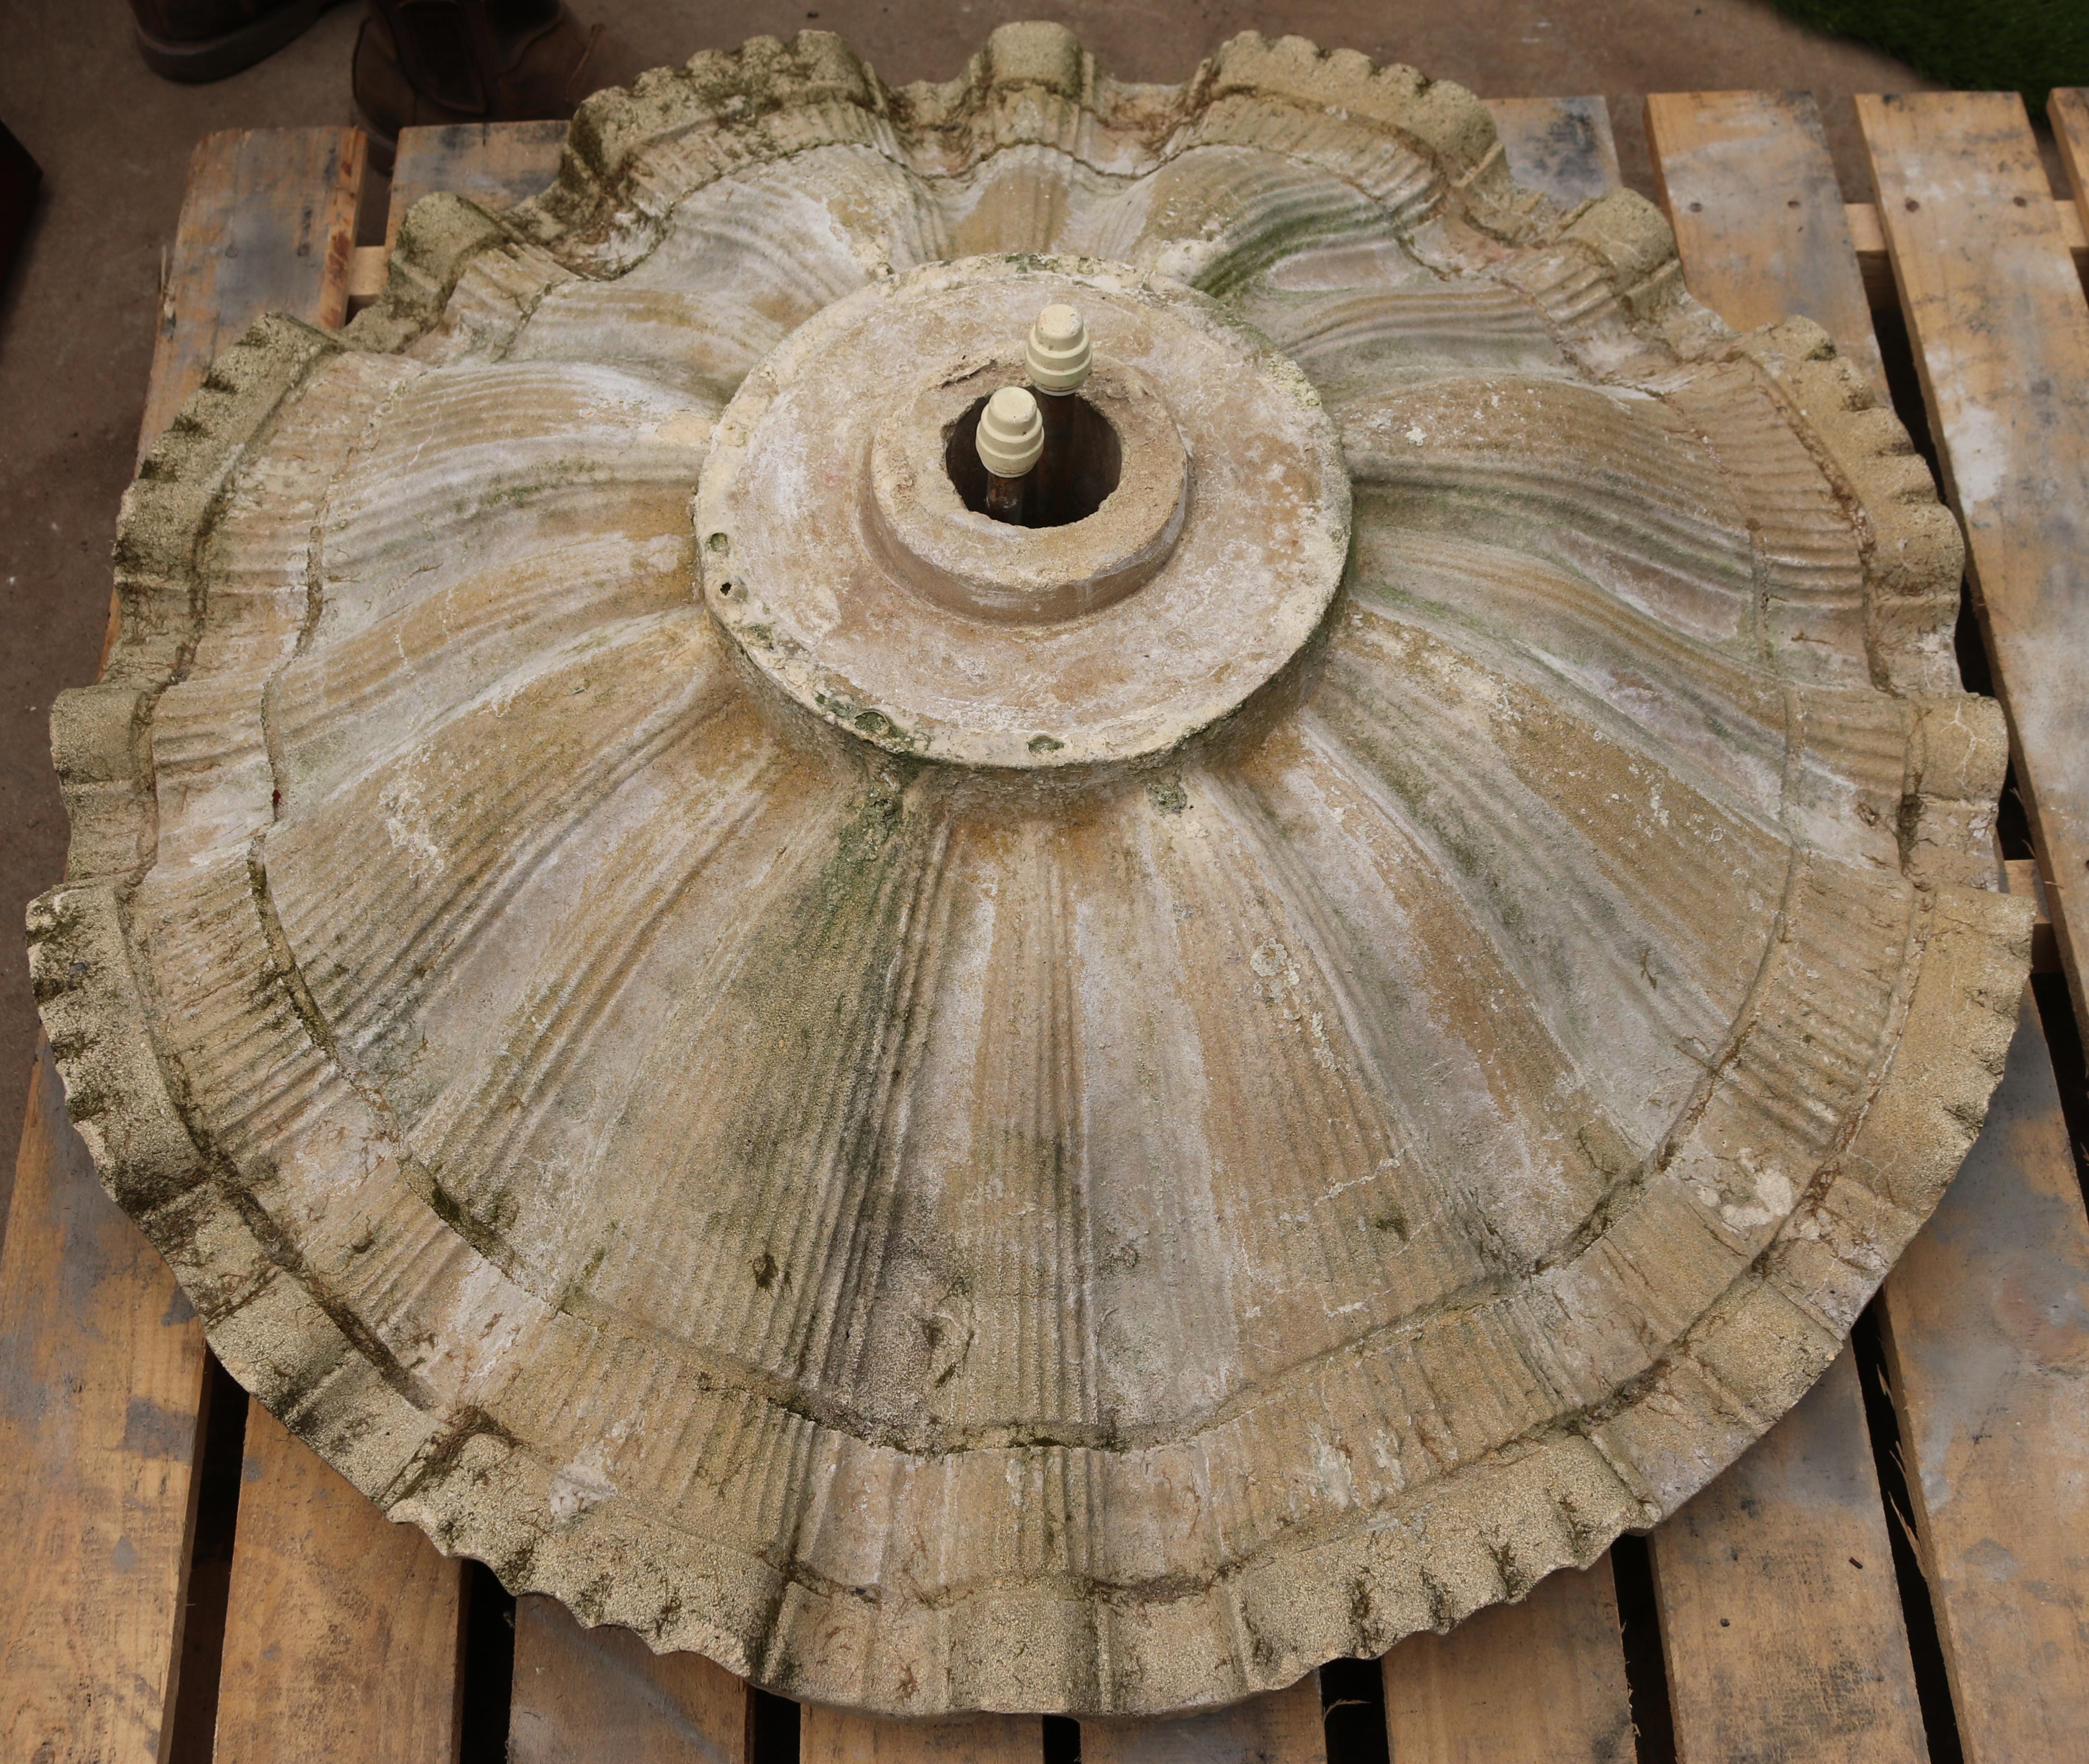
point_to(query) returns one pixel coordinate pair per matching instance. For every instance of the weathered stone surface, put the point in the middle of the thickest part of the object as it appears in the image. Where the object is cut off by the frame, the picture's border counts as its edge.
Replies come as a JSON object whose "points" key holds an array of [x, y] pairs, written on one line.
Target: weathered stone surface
{"points": [[1092, 1226]]}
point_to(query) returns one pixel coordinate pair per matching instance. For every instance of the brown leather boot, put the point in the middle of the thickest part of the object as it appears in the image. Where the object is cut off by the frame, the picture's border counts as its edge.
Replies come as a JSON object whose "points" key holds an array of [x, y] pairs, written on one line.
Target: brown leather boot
{"points": [[195, 41], [421, 62]]}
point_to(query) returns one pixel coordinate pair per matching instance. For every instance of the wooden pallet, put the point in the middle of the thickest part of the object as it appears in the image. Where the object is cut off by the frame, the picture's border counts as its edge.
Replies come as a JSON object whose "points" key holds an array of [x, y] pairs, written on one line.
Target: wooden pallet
{"points": [[1783, 1629]]}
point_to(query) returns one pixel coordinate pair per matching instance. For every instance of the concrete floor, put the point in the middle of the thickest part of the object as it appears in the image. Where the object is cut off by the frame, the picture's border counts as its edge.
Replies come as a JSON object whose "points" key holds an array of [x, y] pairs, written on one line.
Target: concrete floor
{"points": [[76, 314]]}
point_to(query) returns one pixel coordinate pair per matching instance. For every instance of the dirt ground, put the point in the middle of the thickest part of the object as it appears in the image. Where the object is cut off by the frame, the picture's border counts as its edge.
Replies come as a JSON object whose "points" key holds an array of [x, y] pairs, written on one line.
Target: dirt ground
{"points": [[76, 314]]}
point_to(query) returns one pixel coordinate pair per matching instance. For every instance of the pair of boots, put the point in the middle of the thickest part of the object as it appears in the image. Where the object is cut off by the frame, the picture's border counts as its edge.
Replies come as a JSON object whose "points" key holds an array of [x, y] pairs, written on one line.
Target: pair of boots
{"points": [[416, 60]]}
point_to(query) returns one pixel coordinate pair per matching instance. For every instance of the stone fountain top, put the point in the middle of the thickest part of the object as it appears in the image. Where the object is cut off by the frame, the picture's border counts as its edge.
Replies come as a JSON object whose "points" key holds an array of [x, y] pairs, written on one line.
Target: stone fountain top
{"points": [[962, 1116]]}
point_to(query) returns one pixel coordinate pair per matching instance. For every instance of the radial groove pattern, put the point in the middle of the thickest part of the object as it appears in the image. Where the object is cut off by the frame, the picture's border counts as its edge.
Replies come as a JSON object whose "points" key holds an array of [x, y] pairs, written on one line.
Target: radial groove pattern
{"points": [[1105, 1243]]}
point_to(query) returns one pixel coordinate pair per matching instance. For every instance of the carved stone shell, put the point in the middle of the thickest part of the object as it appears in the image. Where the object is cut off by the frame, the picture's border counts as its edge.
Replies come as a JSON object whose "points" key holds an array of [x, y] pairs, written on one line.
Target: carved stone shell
{"points": [[1032, 1227]]}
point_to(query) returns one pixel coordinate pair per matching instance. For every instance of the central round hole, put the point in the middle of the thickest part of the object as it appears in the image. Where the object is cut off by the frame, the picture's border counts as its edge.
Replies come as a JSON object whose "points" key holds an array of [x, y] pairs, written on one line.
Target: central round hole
{"points": [[1083, 459]]}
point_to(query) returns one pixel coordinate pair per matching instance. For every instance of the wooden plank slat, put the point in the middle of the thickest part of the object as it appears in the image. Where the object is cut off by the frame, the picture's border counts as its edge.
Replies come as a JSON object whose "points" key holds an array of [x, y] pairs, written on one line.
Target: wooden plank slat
{"points": [[368, 266], [1868, 232], [835, 1736], [2068, 110], [1540, 1682], [103, 1362], [1987, 1327], [495, 164], [2024, 879], [2002, 338], [1868, 236], [101, 1378], [343, 1629], [1759, 217], [1544, 1679], [578, 1694], [581, 1695], [342, 1632], [1780, 1619], [1282, 1727], [267, 224], [1561, 146]]}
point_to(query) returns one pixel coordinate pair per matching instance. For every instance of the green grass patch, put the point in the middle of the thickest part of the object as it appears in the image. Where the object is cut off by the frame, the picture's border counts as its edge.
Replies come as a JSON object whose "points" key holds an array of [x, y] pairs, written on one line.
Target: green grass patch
{"points": [[1971, 45]]}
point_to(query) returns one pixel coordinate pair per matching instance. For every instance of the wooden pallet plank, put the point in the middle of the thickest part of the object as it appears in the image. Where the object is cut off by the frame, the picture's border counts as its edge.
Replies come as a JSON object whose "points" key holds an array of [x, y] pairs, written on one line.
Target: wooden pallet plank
{"points": [[103, 1360], [578, 1694], [2068, 110], [1539, 1682], [1758, 214], [102, 1377], [1556, 1658], [582, 1694], [267, 224], [1987, 1327], [1869, 238], [341, 1629], [2024, 879], [1771, 1633], [1281, 1727], [836, 1736], [495, 164], [1561, 146], [1780, 1619], [2002, 338]]}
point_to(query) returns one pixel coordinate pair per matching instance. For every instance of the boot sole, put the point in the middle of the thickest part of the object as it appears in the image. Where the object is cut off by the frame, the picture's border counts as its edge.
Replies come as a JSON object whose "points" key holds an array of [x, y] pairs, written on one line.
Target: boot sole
{"points": [[218, 57]]}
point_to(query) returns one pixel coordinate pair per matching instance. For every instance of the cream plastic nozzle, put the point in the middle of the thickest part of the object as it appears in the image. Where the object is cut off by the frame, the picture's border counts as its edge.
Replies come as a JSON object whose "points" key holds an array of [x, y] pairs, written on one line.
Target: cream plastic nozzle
{"points": [[1011, 432], [1058, 354]]}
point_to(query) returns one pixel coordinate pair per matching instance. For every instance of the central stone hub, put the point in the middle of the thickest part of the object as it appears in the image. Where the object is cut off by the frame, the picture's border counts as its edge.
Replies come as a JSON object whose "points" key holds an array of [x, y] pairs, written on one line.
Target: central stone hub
{"points": [[964, 559], [841, 551]]}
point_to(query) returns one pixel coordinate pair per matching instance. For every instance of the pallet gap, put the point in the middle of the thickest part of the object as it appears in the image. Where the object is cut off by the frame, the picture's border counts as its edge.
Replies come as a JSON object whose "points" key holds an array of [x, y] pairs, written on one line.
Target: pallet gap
{"points": [[1352, 1711], [2013, 819], [373, 205], [1062, 1740], [486, 1677], [221, 1451], [772, 1724], [1932, 1682], [2071, 1069], [1646, 1668], [1904, 385], [1976, 669], [1975, 673]]}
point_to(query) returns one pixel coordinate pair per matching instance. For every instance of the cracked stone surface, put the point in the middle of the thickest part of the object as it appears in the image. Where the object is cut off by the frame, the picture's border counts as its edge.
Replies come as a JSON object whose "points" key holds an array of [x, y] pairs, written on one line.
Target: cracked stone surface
{"points": [[1092, 1228]]}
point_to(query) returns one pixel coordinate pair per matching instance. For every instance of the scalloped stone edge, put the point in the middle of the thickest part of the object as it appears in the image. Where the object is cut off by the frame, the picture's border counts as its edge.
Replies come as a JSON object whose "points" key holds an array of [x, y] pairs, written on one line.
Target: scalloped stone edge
{"points": [[1552, 1502], [735, 92], [1912, 553]]}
